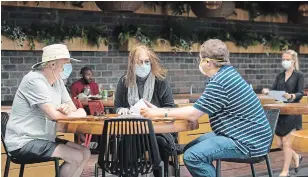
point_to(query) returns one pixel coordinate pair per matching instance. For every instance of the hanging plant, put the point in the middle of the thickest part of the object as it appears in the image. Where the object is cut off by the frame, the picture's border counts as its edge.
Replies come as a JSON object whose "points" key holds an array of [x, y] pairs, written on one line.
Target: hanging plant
{"points": [[177, 34], [235, 34], [275, 42], [50, 33], [125, 32], [15, 33]]}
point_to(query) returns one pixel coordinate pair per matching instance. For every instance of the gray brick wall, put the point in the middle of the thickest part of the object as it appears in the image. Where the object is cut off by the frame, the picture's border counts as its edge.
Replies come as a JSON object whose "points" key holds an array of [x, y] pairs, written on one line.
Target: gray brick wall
{"points": [[257, 69]]}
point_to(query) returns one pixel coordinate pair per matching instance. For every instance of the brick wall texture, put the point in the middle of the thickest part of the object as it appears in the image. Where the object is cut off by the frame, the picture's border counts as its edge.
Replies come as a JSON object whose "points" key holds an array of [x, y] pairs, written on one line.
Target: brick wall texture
{"points": [[257, 69]]}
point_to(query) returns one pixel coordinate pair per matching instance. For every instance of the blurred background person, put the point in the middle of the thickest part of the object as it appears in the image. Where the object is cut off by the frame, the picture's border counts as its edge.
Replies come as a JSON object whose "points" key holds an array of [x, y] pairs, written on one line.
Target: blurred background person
{"points": [[290, 80]]}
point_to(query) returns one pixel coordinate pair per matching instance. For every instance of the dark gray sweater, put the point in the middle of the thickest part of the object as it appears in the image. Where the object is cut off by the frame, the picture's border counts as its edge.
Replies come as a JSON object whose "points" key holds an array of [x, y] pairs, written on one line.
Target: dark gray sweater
{"points": [[162, 96]]}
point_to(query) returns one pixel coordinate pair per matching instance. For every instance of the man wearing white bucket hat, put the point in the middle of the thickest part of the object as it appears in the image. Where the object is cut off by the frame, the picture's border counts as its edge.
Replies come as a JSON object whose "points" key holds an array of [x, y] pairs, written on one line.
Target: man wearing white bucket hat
{"points": [[41, 99]]}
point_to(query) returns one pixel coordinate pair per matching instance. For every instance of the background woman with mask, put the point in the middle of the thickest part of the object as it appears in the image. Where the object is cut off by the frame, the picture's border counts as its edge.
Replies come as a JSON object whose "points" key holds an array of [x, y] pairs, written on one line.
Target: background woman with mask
{"points": [[145, 78], [291, 80]]}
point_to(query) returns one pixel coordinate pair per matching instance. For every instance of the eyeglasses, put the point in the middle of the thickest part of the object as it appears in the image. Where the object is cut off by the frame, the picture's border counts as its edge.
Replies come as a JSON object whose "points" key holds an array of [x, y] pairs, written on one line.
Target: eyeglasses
{"points": [[206, 59]]}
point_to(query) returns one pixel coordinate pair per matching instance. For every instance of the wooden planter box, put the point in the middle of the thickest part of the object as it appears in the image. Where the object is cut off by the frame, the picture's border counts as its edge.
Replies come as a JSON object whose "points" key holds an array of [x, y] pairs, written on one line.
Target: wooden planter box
{"points": [[76, 44], [166, 47], [251, 49], [159, 46], [91, 6], [87, 5], [303, 49]]}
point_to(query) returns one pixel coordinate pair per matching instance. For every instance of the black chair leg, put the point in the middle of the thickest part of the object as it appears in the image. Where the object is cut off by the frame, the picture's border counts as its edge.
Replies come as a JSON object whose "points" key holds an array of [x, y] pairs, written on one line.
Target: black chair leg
{"points": [[7, 166], [218, 168], [21, 171], [166, 167], [96, 170], [269, 167], [103, 173], [57, 168], [253, 171]]}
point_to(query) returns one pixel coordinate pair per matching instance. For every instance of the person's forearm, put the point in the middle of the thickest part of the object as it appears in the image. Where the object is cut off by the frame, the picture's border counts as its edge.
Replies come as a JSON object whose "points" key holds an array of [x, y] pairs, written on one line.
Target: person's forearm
{"points": [[78, 113], [186, 113]]}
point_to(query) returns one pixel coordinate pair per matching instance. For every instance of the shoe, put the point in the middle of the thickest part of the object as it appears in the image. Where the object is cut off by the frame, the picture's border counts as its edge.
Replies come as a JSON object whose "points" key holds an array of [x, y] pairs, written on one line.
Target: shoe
{"points": [[300, 159], [288, 175]]}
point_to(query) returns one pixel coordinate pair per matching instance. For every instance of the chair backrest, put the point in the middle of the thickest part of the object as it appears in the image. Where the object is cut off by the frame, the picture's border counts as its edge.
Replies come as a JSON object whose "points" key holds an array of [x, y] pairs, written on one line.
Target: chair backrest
{"points": [[272, 117], [4, 120], [96, 107], [77, 103], [128, 147]]}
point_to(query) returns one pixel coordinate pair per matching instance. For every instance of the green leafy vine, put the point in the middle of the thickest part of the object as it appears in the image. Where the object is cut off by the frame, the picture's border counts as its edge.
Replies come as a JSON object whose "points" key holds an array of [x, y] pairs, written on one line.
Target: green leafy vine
{"points": [[50, 33]]}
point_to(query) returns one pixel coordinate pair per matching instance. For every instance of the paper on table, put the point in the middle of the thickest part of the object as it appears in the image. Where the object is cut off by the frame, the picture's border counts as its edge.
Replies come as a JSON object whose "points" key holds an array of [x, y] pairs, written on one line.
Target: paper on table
{"points": [[277, 95], [137, 107]]}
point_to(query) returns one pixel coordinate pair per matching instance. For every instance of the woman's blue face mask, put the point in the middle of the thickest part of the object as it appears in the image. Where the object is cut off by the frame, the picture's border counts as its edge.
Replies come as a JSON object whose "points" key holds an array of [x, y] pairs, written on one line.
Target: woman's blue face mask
{"points": [[67, 70]]}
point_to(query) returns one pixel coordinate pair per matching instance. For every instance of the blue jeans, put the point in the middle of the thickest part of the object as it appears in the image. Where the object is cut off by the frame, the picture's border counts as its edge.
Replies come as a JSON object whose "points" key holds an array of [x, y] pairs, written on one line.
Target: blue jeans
{"points": [[201, 152]]}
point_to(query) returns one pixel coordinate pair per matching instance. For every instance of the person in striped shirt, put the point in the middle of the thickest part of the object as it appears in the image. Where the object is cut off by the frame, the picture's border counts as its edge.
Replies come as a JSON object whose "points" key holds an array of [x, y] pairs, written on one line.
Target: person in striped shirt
{"points": [[240, 127]]}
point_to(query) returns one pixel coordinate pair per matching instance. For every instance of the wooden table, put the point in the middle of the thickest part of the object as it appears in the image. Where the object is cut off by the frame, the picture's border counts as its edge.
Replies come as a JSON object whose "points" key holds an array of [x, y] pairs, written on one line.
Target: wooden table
{"points": [[289, 108], [300, 140], [88, 125], [106, 102]]}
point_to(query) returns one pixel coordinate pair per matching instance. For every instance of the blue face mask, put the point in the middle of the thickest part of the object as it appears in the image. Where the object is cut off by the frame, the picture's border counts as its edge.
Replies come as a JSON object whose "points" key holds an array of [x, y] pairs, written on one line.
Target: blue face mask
{"points": [[67, 70], [143, 70]]}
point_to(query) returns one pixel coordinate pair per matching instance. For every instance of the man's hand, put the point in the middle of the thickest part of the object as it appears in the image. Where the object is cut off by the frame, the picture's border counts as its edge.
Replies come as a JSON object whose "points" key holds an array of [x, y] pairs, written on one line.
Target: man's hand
{"points": [[151, 112], [64, 109]]}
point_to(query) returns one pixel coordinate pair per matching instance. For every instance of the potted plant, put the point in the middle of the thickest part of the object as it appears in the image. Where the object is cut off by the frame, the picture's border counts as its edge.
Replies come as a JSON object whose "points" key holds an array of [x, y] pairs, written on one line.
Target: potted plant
{"points": [[210, 9], [115, 6]]}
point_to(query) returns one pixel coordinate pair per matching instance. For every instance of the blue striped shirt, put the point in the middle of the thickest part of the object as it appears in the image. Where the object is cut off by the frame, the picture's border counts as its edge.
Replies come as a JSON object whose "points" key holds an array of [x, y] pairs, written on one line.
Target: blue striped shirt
{"points": [[235, 111]]}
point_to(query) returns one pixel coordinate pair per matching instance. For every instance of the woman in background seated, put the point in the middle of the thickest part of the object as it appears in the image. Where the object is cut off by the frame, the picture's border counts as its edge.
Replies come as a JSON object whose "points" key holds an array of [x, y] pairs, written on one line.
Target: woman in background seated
{"points": [[145, 78], [291, 80]]}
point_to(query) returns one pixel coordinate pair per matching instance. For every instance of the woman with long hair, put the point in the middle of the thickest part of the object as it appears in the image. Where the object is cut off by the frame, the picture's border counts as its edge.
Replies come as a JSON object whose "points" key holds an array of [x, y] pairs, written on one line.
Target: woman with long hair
{"points": [[146, 79]]}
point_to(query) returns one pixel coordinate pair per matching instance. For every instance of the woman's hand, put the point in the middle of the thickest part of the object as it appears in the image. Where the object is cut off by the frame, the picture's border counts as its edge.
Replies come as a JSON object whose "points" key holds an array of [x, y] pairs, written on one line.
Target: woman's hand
{"points": [[265, 91], [124, 111], [287, 96]]}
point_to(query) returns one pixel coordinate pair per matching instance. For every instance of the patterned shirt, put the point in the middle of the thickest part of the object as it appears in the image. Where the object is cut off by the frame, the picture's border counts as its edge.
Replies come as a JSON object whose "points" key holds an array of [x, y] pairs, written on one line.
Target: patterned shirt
{"points": [[235, 111]]}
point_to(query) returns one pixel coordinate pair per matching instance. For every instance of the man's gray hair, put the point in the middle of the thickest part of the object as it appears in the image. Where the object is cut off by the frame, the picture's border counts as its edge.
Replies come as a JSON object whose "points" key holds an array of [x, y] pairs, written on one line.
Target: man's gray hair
{"points": [[42, 66], [215, 49]]}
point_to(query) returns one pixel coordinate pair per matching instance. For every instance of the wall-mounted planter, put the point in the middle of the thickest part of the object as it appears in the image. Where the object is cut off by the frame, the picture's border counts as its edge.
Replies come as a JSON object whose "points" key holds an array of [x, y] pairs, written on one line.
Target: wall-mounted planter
{"points": [[303, 49], [251, 49], [118, 6], [164, 46], [205, 9], [160, 45], [76, 44]]}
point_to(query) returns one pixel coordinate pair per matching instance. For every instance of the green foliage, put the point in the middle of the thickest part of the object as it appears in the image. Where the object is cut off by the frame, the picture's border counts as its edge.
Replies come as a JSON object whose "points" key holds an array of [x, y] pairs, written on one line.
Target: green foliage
{"points": [[50, 33], [181, 35]]}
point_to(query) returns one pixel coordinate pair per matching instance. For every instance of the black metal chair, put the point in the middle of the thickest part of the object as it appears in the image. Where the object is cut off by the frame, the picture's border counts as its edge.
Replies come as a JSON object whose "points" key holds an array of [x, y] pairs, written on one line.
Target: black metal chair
{"points": [[22, 162], [272, 116], [133, 150]]}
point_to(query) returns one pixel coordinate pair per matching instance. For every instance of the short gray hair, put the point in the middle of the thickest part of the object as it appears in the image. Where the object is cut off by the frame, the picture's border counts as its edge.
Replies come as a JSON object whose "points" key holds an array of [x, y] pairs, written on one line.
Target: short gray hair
{"points": [[42, 66], [216, 49]]}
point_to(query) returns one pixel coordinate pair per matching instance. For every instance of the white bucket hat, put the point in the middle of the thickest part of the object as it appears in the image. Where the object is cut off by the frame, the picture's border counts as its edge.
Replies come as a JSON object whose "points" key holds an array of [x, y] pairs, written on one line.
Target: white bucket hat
{"points": [[54, 52]]}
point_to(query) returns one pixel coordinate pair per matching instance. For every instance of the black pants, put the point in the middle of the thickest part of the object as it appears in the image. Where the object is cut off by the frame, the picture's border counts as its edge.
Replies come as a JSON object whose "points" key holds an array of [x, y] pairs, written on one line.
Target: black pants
{"points": [[164, 153]]}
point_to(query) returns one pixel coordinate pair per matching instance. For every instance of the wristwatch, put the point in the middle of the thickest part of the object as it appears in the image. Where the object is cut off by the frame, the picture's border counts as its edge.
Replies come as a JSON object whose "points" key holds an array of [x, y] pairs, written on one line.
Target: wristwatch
{"points": [[166, 112]]}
